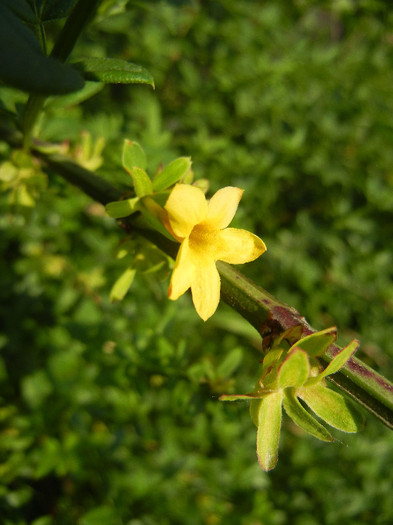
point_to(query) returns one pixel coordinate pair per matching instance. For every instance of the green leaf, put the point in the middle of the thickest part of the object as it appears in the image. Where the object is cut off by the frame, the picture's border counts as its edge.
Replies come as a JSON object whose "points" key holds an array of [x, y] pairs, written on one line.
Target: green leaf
{"points": [[89, 90], [304, 419], [316, 344], [113, 71], [22, 9], [142, 183], [337, 362], [24, 66], [120, 209], [133, 156], [172, 173], [331, 407], [230, 363], [295, 369], [103, 515], [122, 285], [52, 9], [269, 426]]}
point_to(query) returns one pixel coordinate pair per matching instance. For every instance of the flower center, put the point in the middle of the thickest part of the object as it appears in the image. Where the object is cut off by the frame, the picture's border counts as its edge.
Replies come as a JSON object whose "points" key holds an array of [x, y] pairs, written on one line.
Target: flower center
{"points": [[202, 238]]}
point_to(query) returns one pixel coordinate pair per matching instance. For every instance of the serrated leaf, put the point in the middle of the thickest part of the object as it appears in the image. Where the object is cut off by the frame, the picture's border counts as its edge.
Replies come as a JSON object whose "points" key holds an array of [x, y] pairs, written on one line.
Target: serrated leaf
{"points": [[295, 369], [268, 433], [122, 285], [24, 66], [133, 156], [331, 407], [172, 173], [337, 362], [316, 344], [113, 71], [142, 183], [120, 209], [304, 419]]}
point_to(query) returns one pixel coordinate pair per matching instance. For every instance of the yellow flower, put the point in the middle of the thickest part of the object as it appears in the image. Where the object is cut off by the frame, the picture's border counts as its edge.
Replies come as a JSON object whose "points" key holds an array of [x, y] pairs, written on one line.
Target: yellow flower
{"points": [[201, 228]]}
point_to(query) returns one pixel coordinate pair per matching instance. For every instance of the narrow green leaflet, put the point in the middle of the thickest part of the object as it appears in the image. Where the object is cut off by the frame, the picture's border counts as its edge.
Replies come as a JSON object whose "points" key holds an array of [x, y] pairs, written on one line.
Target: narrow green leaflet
{"points": [[316, 344], [122, 285], [331, 407], [133, 156], [142, 183], [120, 209], [24, 66], [337, 362], [295, 369], [113, 71], [269, 426], [172, 173], [304, 419]]}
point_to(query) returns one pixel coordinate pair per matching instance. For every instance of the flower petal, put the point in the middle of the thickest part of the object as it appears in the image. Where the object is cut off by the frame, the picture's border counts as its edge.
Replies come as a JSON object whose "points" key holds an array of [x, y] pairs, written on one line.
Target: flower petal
{"points": [[205, 287], [222, 207], [183, 272], [237, 246], [186, 207]]}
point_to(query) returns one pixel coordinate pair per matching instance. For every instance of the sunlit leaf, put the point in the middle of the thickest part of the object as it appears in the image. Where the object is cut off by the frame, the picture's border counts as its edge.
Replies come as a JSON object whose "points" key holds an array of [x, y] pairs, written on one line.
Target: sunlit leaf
{"points": [[122, 285], [113, 71], [119, 209], [133, 156], [172, 173]]}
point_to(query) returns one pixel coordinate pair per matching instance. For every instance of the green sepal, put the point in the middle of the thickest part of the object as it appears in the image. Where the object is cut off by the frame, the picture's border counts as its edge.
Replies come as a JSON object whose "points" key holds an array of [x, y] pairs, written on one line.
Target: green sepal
{"points": [[316, 344], [304, 419], [120, 209], [295, 369], [337, 362], [113, 71], [133, 156], [172, 173], [122, 285], [269, 426], [332, 407]]}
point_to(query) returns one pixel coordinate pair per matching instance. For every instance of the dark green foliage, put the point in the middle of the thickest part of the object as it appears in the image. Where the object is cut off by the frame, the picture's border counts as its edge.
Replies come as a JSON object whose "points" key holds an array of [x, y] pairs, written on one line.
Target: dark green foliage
{"points": [[109, 412], [25, 66]]}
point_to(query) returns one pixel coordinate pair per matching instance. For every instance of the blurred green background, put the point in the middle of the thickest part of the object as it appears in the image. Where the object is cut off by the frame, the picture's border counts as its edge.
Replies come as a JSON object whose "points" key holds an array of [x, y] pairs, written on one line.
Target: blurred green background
{"points": [[109, 412]]}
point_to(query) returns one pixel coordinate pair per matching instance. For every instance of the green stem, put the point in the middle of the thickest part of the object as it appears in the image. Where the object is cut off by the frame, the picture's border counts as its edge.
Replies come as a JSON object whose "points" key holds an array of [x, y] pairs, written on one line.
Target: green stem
{"points": [[81, 14], [266, 313]]}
